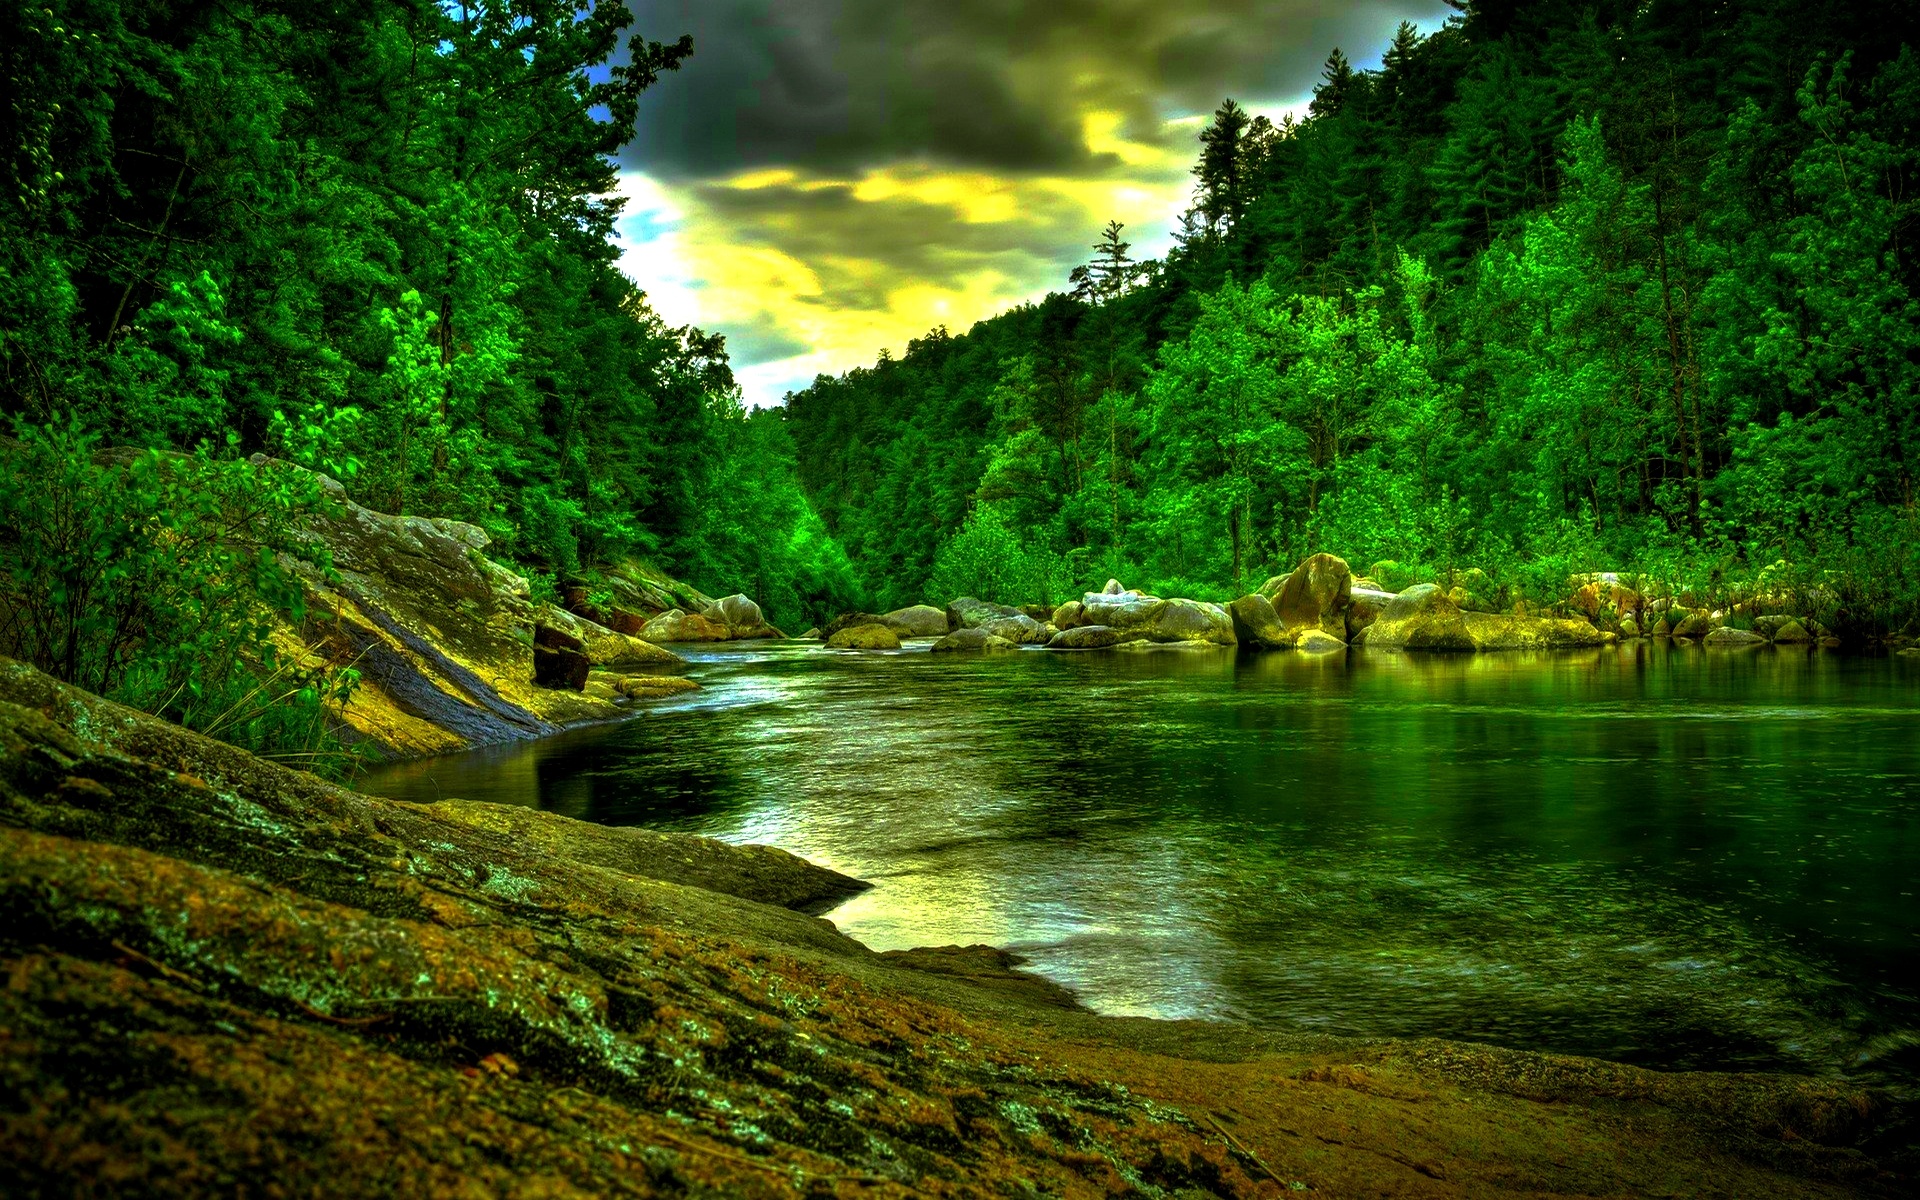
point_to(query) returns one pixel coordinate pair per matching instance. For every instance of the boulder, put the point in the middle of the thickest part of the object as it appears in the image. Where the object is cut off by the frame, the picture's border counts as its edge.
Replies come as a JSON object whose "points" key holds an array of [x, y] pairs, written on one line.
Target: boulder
{"points": [[864, 637], [604, 647], [970, 613], [1662, 629], [1629, 627], [1317, 641], [919, 620], [849, 619], [1423, 618], [1792, 633], [812, 635], [623, 620], [1255, 623], [741, 618], [1364, 607], [1316, 594], [654, 687], [1160, 620], [1020, 629], [1113, 588], [549, 638], [562, 669], [978, 640], [677, 626], [1693, 625], [1042, 613], [1070, 614], [1728, 636], [1091, 637], [1911, 652]]}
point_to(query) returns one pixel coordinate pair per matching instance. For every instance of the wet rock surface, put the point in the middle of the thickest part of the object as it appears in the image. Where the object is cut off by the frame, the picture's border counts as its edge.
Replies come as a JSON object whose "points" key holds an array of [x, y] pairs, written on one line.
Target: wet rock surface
{"points": [[222, 975]]}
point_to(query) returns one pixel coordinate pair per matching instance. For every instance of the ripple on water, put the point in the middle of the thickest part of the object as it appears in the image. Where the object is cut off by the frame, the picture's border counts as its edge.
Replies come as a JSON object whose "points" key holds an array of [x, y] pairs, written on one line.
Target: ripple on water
{"points": [[1643, 854]]}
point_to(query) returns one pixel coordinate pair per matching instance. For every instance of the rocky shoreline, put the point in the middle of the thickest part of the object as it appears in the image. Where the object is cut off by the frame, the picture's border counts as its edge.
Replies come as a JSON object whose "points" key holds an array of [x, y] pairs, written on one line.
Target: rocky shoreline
{"points": [[224, 975], [1322, 607]]}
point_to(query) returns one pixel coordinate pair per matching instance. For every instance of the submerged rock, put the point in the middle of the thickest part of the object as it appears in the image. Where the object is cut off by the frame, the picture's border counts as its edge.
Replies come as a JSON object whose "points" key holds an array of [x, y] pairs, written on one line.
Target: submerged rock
{"points": [[654, 687], [977, 640], [1727, 636], [864, 637]]}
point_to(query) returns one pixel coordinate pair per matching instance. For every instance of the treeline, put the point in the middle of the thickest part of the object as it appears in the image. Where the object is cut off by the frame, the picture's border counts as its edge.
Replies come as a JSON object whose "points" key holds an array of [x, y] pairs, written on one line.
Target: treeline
{"points": [[375, 239], [1571, 285]]}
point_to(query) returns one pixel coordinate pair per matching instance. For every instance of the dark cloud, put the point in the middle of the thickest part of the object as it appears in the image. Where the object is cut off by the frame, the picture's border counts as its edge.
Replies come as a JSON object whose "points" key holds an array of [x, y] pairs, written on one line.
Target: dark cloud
{"points": [[996, 84]]}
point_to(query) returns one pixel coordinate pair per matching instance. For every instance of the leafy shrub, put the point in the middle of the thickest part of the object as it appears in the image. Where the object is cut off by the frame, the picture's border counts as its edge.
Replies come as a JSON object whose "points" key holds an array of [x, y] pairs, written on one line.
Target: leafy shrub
{"points": [[155, 579]]}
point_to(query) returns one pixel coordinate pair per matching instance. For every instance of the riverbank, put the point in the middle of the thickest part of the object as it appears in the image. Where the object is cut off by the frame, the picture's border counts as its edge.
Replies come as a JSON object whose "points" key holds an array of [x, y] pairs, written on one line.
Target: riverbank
{"points": [[221, 970]]}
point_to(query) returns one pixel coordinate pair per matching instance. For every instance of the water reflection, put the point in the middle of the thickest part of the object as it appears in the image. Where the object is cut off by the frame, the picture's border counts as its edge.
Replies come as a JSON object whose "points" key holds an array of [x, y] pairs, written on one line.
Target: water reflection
{"points": [[1659, 854]]}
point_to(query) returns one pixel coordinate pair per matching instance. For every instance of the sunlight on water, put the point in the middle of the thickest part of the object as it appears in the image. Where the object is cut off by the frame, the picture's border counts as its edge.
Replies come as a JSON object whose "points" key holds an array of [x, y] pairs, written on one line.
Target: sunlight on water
{"points": [[1660, 855]]}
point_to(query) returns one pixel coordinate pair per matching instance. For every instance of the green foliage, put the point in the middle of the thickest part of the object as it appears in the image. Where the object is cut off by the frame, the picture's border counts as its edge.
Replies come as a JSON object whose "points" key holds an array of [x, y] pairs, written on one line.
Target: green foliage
{"points": [[987, 560], [1557, 289], [155, 580]]}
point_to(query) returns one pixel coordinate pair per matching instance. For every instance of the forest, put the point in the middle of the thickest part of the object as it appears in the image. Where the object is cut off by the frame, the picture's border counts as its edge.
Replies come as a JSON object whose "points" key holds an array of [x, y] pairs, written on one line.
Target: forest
{"points": [[1560, 287], [1566, 286]]}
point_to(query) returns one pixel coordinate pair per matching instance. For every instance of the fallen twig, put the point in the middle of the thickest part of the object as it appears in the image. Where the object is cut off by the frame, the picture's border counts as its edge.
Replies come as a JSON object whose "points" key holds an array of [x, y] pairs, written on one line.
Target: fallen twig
{"points": [[170, 972], [1238, 1145]]}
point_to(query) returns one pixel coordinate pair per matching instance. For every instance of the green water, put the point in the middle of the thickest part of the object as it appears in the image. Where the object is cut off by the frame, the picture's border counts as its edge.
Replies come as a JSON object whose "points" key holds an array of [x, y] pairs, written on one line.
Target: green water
{"points": [[1670, 856]]}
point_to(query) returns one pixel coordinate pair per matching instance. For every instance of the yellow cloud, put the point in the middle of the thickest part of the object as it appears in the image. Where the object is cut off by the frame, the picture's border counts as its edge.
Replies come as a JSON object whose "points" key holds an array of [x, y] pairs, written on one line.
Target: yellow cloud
{"points": [[813, 272]]}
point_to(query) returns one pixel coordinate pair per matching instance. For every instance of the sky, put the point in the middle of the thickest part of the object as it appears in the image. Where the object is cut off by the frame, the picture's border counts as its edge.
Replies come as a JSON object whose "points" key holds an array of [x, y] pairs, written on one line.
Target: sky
{"points": [[825, 179]]}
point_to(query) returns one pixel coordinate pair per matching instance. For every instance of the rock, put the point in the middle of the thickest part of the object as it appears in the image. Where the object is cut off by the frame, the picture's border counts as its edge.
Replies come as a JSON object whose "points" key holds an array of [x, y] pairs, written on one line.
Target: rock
{"points": [[850, 619], [812, 635], [441, 635], [1019, 628], [1693, 625], [1113, 588], [1042, 613], [654, 687], [1255, 623], [970, 613], [1472, 591], [606, 648], [741, 618], [1364, 607], [977, 640], [626, 621], [1317, 641], [919, 620], [1160, 620], [1728, 636], [1422, 618], [1091, 637], [547, 637], [566, 669], [1316, 594], [1662, 629], [677, 626], [1070, 614], [1629, 627], [1792, 633], [864, 637], [1912, 652], [1830, 643], [220, 969]]}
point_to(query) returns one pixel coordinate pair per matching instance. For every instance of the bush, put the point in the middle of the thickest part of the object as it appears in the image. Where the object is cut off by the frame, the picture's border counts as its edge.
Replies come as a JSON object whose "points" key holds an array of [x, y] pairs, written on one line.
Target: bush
{"points": [[987, 559], [155, 580]]}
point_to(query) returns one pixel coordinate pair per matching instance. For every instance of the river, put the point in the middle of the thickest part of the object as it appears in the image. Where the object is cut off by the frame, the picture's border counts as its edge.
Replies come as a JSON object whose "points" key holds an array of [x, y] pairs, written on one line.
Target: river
{"points": [[1662, 855]]}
